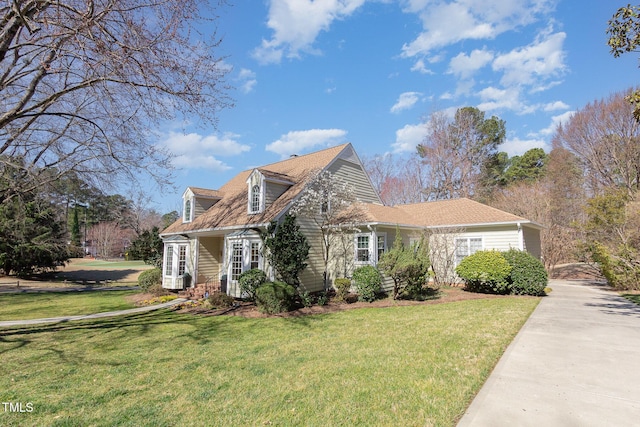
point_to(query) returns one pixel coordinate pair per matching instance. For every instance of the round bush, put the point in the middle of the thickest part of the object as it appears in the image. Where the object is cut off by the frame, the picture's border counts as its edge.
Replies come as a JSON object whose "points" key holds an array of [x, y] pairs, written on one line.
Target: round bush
{"points": [[250, 280], [527, 276], [275, 297], [342, 286], [368, 281], [149, 278], [485, 272]]}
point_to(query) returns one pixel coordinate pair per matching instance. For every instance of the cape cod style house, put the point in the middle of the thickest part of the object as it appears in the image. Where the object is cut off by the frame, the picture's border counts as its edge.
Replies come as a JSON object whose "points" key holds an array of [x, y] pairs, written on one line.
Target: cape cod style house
{"points": [[218, 236]]}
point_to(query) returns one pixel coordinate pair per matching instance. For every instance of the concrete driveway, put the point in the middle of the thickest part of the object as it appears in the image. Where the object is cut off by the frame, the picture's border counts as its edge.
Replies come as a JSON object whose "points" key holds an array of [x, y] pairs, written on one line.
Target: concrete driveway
{"points": [[576, 362]]}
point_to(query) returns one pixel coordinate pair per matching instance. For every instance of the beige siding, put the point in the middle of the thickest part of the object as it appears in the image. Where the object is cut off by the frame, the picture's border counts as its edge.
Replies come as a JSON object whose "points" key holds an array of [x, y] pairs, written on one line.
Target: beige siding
{"points": [[311, 277], [353, 173], [209, 258], [201, 205], [273, 191], [532, 242]]}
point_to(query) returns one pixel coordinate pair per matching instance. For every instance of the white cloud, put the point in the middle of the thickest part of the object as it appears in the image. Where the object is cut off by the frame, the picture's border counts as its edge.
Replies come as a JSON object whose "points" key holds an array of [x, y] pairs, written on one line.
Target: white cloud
{"points": [[555, 121], [464, 66], [541, 60], [420, 67], [517, 146], [247, 80], [196, 151], [493, 99], [408, 138], [405, 101], [296, 142], [554, 106], [297, 23]]}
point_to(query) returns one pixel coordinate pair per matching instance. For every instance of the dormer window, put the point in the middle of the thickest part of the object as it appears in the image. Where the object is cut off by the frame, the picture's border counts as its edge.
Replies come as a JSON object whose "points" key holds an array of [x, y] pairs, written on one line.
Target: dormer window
{"points": [[187, 212], [255, 199]]}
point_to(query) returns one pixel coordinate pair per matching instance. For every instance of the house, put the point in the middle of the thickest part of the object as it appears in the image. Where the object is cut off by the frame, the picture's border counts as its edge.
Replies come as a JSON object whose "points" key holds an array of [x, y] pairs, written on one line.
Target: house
{"points": [[218, 236]]}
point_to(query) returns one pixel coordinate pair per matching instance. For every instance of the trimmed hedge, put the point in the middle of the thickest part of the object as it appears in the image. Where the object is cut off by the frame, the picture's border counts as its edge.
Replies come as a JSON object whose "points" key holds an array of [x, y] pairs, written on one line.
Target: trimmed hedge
{"points": [[485, 272], [368, 282], [528, 276], [149, 278], [275, 297], [251, 280], [342, 286]]}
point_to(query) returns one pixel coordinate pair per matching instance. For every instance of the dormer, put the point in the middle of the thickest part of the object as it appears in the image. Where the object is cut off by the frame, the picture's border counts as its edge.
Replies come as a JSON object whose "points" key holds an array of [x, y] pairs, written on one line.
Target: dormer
{"points": [[263, 188], [195, 201]]}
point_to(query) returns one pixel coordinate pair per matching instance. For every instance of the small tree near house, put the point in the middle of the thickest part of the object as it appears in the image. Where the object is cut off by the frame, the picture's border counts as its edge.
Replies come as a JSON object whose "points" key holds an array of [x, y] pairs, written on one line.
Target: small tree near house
{"points": [[287, 249], [408, 267], [330, 203]]}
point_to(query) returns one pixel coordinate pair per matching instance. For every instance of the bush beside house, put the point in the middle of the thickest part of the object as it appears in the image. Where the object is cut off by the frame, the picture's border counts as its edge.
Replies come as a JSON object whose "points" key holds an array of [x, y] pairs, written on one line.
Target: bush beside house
{"points": [[512, 272]]}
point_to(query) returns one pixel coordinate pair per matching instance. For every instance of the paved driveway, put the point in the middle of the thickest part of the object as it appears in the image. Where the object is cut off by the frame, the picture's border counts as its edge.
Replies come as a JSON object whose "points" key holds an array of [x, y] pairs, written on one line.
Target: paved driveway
{"points": [[576, 362]]}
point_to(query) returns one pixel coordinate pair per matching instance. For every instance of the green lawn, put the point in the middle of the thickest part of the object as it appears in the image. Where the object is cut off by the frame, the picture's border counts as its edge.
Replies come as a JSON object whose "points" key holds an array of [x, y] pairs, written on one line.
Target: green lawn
{"points": [[634, 298], [400, 366], [54, 304]]}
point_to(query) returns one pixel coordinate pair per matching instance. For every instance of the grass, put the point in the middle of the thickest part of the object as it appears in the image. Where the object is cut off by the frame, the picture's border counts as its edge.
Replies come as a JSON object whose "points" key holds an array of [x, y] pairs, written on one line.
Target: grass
{"points": [[414, 365], [114, 264], [54, 304], [634, 298]]}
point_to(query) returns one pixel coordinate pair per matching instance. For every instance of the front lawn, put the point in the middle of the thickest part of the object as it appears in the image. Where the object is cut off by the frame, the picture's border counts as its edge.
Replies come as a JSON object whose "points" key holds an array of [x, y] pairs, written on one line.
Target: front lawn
{"points": [[55, 304], [408, 366]]}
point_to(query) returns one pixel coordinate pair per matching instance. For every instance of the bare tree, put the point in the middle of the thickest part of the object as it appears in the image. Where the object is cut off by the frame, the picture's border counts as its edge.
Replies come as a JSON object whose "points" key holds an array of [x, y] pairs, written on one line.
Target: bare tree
{"points": [[331, 204], [442, 254], [457, 150], [605, 137], [397, 179], [84, 84], [109, 239]]}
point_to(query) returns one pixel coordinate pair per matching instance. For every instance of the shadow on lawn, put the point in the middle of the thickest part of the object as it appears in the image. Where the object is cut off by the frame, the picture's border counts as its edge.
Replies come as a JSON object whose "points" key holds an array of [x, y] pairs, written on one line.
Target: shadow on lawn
{"points": [[134, 325]]}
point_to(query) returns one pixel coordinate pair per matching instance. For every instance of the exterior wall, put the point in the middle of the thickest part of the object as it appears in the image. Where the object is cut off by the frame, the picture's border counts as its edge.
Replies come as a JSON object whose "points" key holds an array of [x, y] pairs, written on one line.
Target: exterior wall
{"points": [[210, 259], [201, 205], [311, 279], [353, 174], [273, 191], [532, 243]]}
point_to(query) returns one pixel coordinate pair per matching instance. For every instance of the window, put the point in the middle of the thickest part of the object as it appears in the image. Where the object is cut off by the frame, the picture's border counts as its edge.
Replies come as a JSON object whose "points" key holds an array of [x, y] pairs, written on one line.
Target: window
{"points": [[324, 204], [362, 248], [466, 247], [187, 211], [168, 264], [382, 245], [236, 260], [182, 259], [255, 199], [255, 255]]}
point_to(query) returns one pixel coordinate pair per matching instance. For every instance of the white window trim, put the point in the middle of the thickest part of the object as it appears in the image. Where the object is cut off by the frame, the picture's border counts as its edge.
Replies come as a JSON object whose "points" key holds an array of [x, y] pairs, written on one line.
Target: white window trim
{"points": [[261, 195], [369, 248], [385, 249], [468, 246], [246, 254], [188, 218]]}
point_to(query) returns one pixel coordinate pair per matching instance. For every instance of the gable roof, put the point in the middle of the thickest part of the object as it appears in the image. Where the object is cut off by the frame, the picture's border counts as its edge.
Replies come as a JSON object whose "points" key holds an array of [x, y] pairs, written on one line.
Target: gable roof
{"points": [[205, 193], [231, 210], [444, 213]]}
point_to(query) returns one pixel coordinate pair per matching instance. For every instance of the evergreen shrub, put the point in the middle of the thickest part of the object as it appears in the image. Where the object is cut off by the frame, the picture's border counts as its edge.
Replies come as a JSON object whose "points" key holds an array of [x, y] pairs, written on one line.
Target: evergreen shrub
{"points": [[149, 278], [527, 276], [250, 280], [275, 297], [368, 282], [485, 272]]}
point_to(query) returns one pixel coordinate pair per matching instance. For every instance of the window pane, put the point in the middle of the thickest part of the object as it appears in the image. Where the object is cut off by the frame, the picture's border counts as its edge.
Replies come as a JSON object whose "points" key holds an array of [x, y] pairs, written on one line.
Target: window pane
{"points": [[362, 252], [462, 249], [381, 245], [236, 260], [255, 254], [182, 259], [187, 210], [255, 198], [475, 245], [168, 264]]}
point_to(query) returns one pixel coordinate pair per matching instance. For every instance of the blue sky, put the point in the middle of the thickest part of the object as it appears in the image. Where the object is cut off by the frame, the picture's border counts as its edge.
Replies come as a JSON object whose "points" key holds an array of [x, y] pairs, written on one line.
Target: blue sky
{"points": [[312, 74]]}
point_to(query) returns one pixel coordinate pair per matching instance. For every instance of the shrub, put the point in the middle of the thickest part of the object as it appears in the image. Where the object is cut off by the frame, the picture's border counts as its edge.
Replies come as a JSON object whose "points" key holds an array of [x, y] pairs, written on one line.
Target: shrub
{"points": [[220, 300], [323, 298], [250, 280], [486, 272], [408, 267], [306, 298], [148, 278], [368, 281], [275, 297], [527, 276], [342, 288]]}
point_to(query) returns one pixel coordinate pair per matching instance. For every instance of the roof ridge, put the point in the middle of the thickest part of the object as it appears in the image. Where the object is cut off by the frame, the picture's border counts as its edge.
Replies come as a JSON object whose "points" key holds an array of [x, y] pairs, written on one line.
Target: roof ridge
{"points": [[300, 156]]}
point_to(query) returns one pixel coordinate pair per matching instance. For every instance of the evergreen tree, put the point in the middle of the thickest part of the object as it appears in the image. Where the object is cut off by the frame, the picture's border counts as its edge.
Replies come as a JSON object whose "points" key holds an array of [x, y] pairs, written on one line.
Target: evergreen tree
{"points": [[287, 249], [75, 228], [147, 247]]}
